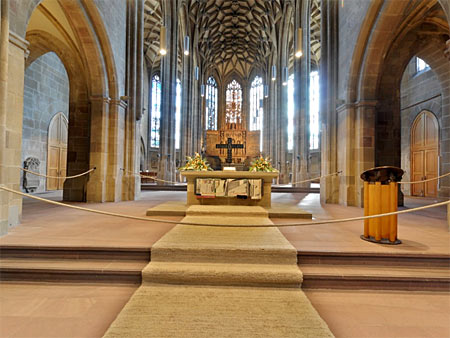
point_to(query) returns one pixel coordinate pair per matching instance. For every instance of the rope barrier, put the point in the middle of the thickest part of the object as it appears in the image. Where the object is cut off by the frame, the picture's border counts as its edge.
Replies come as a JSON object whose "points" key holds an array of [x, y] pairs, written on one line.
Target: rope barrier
{"points": [[319, 177], [58, 177], [154, 178], [225, 225], [427, 180]]}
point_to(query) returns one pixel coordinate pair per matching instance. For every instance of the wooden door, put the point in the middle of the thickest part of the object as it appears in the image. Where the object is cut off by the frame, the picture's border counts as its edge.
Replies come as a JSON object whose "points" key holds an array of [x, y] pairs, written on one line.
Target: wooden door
{"points": [[424, 154], [57, 151]]}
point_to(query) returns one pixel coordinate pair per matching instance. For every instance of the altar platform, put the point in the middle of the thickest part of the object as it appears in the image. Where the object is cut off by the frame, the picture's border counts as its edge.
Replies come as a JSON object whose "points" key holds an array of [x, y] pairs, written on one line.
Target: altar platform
{"points": [[179, 208]]}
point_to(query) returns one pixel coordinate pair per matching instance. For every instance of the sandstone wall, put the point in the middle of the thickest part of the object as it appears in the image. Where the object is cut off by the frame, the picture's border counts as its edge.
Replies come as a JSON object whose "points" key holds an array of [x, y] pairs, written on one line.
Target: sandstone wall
{"points": [[46, 93], [419, 91]]}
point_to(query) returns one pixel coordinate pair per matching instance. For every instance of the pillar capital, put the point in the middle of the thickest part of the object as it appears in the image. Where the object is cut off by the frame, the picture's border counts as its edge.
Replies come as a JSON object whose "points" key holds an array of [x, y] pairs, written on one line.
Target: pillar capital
{"points": [[447, 50]]}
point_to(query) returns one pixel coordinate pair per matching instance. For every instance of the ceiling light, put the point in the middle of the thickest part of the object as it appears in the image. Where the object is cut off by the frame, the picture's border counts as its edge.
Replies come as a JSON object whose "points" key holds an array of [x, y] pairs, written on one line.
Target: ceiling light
{"points": [[162, 41], [299, 50], [186, 45], [285, 76], [274, 72]]}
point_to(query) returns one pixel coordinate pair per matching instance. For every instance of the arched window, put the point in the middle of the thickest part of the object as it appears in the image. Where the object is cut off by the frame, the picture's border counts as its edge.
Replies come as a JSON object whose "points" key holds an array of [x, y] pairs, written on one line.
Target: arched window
{"points": [[156, 111], [256, 106], [314, 96], [211, 104], [177, 114], [291, 107], [233, 113]]}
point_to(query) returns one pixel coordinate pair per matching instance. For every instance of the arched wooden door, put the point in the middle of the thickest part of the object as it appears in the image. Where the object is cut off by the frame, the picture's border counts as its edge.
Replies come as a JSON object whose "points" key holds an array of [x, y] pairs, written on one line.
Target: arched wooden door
{"points": [[57, 151], [424, 154]]}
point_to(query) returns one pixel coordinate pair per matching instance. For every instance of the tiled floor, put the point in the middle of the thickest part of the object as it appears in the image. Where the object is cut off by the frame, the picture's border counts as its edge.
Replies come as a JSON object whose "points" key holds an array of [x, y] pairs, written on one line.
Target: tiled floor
{"points": [[54, 310], [383, 313]]}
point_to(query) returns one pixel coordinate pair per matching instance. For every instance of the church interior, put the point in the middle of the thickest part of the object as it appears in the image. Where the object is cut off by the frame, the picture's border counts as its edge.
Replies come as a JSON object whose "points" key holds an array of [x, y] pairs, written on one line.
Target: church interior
{"points": [[215, 168]]}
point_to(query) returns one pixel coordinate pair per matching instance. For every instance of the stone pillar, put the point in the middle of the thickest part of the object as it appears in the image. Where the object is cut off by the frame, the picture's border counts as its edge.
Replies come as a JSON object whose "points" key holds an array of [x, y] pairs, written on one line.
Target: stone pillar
{"points": [[186, 108], [13, 51], [78, 149], [300, 154], [168, 97], [4, 166], [329, 186], [134, 90], [96, 186], [117, 113], [282, 122]]}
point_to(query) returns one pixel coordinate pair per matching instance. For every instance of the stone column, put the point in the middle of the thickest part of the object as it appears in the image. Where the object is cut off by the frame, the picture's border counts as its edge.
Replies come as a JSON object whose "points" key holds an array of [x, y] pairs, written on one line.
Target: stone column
{"points": [[329, 186], [13, 51], [96, 186], [282, 122], [78, 149], [300, 152], [4, 166], [168, 97], [186, 107], [117, 113], [134, 90]]}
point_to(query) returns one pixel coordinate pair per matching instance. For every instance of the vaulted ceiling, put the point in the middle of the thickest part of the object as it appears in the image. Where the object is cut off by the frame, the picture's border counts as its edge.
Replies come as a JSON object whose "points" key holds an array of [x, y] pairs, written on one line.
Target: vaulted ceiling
{"points": [[232, 35], [236, 35]]}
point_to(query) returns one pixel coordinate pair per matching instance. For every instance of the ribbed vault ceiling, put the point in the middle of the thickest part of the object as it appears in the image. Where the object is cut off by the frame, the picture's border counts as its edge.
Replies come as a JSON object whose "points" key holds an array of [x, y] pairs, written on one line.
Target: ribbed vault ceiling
{"points": [[232, 35]]}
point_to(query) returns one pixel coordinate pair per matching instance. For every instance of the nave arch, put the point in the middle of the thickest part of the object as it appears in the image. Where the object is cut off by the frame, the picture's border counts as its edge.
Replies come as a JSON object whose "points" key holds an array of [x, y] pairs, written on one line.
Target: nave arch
{"points": [[385, 45]]}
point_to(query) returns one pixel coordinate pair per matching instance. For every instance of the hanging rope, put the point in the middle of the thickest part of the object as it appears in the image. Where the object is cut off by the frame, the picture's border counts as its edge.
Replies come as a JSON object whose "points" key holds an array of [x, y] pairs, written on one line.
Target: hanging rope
{"points": [[58, 177], [340, 220], [427, 180], [317, 178], [152, 177]]}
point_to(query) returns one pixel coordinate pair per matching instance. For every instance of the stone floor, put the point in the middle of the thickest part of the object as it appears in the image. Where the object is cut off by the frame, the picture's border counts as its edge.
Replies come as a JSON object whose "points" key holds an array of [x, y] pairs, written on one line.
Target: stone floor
{"points": [[54, 310]]}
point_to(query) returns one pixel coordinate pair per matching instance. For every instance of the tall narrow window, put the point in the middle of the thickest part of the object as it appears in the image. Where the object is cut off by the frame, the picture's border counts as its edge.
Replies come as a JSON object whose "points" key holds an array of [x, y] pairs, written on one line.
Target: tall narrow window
{"points": [[211, 104], [233, 114], [314, 96], [177, 114], [256, 106], [290, 112], [156, 111]]}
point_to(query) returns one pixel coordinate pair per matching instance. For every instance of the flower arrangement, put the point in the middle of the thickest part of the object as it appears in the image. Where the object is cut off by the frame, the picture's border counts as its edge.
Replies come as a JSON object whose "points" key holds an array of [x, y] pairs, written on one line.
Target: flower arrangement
{"points": [[196, 163], [262, 164]]}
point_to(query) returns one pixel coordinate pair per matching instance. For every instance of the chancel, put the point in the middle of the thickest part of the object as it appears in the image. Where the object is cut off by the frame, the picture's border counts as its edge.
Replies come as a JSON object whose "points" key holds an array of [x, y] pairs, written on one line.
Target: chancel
{"points": [[118, 119]]}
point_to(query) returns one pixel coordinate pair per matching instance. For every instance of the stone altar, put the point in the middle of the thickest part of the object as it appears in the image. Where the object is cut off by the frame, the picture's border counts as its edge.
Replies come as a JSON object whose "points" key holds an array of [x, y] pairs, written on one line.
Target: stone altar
{"points": [[266, 177]]}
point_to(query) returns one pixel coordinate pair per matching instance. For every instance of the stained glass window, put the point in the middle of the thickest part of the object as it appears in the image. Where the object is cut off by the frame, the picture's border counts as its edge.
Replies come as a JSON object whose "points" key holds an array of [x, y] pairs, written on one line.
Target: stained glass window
{"points": [[233, 113], [177, 114], [290, 108], [256, 106], [156, 111], [314, 96], [211, 104]]}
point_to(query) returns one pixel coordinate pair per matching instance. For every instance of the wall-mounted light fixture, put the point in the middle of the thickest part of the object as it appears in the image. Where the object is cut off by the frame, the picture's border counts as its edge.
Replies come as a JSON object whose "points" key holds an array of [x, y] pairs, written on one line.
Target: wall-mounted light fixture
{"points": [[285, 76], [274, 72], [266, 90], [162, 41], [196, 72], [202, 90], [186, 45], [299, 50]]}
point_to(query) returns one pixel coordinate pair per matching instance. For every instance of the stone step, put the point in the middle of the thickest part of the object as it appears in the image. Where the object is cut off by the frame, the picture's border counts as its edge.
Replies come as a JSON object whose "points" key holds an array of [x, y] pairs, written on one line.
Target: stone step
{"points": [[71, 270], [73, 252], [218, 211], [373, 258], [224, 245], [375, 277], [264, 275]]}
